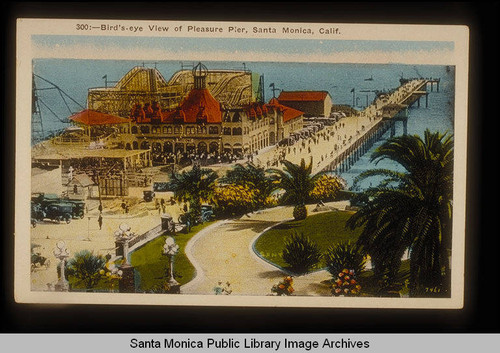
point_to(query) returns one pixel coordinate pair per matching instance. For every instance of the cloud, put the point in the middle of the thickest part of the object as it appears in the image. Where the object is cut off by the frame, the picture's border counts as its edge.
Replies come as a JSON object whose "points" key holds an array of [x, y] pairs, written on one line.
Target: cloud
{"points": [[441, 56]]}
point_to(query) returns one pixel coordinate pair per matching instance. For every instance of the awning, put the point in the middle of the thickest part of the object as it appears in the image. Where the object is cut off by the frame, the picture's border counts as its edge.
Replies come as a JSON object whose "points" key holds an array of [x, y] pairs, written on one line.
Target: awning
{"points": [[92, 117]]}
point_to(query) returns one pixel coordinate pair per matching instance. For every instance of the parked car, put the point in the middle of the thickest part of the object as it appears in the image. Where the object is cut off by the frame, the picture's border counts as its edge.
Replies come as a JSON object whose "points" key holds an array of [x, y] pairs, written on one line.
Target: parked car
{"points": [[59, 212], [78, 208]]}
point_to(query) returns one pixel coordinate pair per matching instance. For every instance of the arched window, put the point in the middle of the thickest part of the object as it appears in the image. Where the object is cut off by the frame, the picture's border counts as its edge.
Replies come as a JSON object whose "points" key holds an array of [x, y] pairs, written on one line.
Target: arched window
{"points": [[227, 131], [202, 147], [144, 129], [167, 147], [213, 147], [179, 147], [214, 130], [134, 129], [237, 131], [135, 145]]}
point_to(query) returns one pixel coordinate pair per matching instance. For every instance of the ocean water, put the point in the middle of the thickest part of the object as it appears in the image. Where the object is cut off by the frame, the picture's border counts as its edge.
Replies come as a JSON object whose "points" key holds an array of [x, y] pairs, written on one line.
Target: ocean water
{"points": [[75, 77]]}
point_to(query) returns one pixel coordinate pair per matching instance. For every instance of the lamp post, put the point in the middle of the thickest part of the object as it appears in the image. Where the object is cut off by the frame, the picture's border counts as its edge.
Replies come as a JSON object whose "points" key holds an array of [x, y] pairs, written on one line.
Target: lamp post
{"points": [[171, 249], [122, 237], [61, 253]]}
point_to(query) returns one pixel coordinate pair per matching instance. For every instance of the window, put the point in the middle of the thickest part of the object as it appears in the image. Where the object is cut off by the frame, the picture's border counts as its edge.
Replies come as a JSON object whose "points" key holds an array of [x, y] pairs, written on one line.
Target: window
{"points": [[214, 130]]}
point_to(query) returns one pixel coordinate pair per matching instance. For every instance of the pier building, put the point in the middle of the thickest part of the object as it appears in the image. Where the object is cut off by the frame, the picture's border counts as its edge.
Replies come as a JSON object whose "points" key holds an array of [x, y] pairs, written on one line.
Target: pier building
{"points": [[201, 124], [312, 103]]}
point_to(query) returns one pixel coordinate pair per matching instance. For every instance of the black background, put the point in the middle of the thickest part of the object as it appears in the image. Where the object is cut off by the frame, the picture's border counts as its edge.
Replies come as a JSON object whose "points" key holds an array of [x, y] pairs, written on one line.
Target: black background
{"points": [[480, 313]]}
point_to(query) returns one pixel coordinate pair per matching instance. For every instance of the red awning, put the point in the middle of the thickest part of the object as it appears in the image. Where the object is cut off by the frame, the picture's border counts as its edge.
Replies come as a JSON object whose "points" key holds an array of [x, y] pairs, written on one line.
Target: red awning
{"points": [[92, 117]]}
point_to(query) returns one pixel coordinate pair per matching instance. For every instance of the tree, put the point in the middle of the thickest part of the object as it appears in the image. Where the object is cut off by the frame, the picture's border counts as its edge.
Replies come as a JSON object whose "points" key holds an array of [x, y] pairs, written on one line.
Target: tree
{"points": [[297, 181], [411, 210], [86, 268], [193, 186], [253, 177]]}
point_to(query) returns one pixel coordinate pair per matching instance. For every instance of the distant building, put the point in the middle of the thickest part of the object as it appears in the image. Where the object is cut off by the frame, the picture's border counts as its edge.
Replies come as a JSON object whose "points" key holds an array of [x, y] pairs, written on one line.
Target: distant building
{"points": [[81, 187], [312, 103]]}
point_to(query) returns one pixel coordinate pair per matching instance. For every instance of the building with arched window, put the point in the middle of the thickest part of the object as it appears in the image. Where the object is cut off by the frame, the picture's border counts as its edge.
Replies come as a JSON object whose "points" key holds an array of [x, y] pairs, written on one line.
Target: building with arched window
{"points": [[201, 124]]}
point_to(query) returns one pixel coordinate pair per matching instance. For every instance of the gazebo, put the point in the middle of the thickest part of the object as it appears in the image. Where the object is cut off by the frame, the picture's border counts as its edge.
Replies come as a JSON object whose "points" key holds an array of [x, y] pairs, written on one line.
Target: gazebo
{"points": [[95, 123]]}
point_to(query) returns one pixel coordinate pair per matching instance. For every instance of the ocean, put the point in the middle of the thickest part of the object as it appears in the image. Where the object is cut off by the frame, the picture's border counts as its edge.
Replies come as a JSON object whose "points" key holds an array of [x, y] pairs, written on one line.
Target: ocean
{"points": [[75, 77]]}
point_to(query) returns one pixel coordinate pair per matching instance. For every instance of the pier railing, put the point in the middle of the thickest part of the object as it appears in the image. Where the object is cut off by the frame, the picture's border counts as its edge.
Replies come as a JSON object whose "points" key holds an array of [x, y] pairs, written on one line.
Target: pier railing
{"points": [[403, 97]]}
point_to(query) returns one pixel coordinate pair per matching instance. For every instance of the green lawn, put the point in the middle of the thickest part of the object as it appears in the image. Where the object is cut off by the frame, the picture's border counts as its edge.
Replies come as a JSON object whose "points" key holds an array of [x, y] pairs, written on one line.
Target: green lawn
{"points": [[324, 229], [151, 265]]}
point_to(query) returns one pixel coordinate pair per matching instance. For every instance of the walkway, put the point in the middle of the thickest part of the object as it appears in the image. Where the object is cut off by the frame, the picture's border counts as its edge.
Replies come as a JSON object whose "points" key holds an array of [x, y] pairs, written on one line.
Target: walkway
{"points": [[224, 253]]}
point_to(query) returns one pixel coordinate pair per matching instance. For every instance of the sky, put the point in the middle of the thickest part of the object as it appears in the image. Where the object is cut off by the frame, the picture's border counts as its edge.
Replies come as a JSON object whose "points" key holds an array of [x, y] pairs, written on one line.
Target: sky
{"points": [[238, 49]]}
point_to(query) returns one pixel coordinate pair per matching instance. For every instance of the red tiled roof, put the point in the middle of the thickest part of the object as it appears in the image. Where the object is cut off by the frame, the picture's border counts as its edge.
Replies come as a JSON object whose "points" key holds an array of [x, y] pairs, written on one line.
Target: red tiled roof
{"points": [[309, 96], [199, 103], [92, 117], [288, 113]]}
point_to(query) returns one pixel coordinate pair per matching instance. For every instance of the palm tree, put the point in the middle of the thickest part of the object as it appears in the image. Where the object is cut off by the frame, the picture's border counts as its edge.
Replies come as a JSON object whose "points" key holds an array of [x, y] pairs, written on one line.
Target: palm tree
{"points": [[297, 181], [249, 174], [411, 210], [86, 268], [193, 186]]}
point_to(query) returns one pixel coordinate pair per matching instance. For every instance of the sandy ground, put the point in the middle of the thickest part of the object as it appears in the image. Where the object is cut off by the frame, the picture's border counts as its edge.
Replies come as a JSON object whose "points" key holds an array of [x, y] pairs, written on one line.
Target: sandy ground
{"points": [[84, 234]]}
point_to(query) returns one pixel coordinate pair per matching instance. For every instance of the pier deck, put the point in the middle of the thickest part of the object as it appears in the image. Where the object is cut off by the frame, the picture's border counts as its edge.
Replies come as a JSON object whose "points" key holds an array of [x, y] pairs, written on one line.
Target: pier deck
{"points": [[338, 146]]}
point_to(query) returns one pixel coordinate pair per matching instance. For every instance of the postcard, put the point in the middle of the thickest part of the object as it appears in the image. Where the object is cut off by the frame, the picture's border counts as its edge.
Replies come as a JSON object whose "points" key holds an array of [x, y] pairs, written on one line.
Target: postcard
{"points": [[240, 163]]}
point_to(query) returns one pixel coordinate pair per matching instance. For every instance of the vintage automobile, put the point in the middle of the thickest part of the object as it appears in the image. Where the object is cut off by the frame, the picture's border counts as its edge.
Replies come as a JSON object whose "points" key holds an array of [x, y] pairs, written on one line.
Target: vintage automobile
{"points": [[59, 212], [189, 219], [78, 208], [207, 213], [38, 261]]}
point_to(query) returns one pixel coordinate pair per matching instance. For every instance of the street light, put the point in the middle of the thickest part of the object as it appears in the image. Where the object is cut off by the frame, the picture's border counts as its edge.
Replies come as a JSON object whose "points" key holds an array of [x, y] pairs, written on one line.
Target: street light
{"points": [[122, 236], [171, 249], [61, 253]]}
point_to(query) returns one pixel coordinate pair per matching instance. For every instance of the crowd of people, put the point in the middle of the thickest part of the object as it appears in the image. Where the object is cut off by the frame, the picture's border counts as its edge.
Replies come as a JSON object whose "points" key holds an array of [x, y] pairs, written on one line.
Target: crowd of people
{"points": [[183, 159]]}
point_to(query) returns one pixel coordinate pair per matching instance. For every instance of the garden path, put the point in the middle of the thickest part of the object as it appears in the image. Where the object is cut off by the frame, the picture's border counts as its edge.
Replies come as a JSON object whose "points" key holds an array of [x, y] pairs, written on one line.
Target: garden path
{"points": [[224, 253]]}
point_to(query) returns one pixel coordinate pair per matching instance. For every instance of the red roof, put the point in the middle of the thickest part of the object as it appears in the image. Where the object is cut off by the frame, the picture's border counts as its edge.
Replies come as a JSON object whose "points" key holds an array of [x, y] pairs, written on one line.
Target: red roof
{"points": [[303, 96], [92, 117], [198, 104], [288, 113]]}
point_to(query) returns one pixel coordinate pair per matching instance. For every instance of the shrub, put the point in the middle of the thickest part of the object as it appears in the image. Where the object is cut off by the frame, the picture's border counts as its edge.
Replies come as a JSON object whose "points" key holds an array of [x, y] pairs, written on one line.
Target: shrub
{"points": [[285, 287], [299, 212], [300, 253], [326, 188], [234, 200], [344, 255]]}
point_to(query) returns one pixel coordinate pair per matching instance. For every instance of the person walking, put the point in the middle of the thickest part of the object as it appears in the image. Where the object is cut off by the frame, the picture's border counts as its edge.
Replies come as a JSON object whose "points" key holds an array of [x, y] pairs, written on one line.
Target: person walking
{"points": [[99, 220]]}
